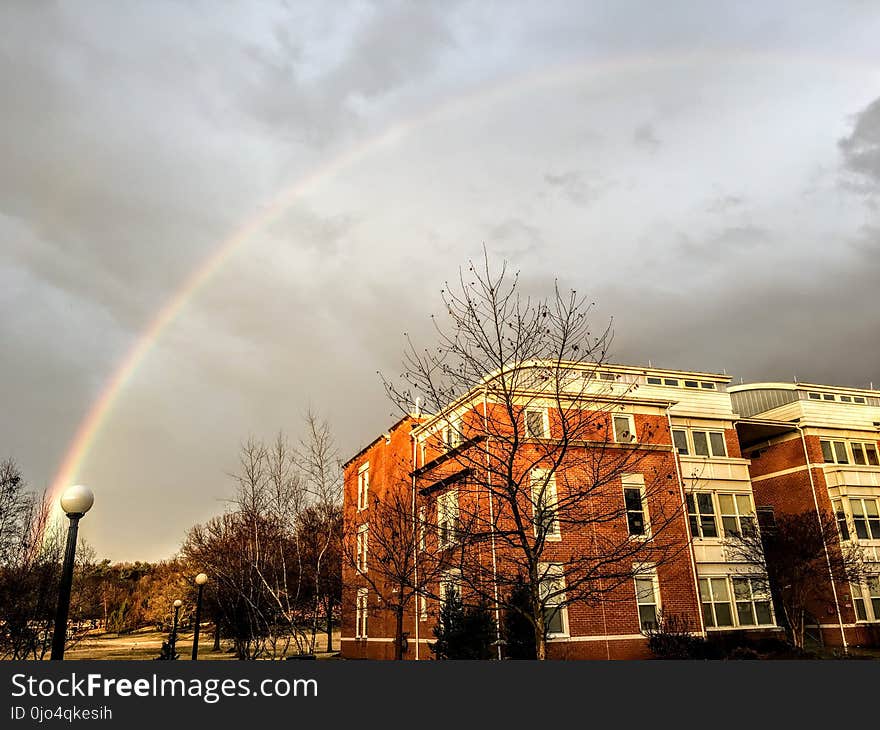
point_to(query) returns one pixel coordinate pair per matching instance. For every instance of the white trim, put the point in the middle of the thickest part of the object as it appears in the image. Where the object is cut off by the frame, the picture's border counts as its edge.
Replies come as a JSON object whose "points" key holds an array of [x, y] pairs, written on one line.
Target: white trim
{"points": [[616, 637], [631, 430], [545, 421]]}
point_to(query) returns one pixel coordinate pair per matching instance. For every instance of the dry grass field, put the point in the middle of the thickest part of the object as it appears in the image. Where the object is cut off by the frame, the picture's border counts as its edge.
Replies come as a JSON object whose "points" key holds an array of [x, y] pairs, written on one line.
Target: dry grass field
{"points": [[146, 644]]}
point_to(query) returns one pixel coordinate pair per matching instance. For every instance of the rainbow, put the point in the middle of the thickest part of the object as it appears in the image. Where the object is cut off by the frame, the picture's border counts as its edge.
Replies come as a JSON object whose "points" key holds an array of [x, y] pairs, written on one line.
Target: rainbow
{"points": [[90, 427]]}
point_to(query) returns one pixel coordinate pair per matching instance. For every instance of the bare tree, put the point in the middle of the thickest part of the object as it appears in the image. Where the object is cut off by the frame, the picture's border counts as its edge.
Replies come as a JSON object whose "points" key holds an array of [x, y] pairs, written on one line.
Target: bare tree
{"points": [[794, 557], [396, 553], [533, 433]]}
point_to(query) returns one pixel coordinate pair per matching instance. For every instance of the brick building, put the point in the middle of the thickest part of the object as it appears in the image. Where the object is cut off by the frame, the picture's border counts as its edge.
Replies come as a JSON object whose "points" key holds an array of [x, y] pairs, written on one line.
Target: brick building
{"points": [[667, 484], [814, 448]]}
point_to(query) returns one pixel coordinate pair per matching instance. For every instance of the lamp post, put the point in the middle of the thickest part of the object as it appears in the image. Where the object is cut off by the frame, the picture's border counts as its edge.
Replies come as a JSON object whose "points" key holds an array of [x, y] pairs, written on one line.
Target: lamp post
{"points": [[201, 579], [172, 643], [75, 502]]}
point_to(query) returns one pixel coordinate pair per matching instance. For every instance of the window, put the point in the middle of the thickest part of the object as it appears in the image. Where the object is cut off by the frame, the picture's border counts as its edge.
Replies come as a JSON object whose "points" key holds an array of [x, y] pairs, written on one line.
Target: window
{"points": [[840, 516], [423, 527], [544, 501], [752, 602], [647, 598], [707, 386], [815, 396], [452, 434], [363, 534], [701, 514], [450, 584], [624, 430], [654, 381], [866, 518], [691, 384], [680, 439], [866, 599], [858, 399], [834, 452], [737, 514], [361, 613], [865, 454], [447, 518], [828, 396], [670, 381], [715, 596], [634, 501], [423, 608], [607, 376], [363, 486], [537, 426], [709, 443], [551, 591], [846, 399]]}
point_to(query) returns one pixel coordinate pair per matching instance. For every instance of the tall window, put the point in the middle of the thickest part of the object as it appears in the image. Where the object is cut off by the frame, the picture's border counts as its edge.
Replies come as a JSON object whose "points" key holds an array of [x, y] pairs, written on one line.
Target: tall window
{"points": [[752, 602], [363, 486], [635, 504], [423, 528], [715, 596], [840, 516], [737, 514], [701, 514], [624, 428], [680, 439], [537, 426], [450, 584], [647, 598], [544, 502], [866, 599], [423, 607], [551, 590], [866, 518], [834, 452], [453, 433], [447, 518], [361, 613], [362, 538], [709, 443]]}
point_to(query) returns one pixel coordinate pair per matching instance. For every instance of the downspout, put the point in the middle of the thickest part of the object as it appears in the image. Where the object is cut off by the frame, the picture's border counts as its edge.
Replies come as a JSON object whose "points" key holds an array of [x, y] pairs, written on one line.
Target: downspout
{"points": [[416, 528], [687, 526], [491, 522], [824, 543]]}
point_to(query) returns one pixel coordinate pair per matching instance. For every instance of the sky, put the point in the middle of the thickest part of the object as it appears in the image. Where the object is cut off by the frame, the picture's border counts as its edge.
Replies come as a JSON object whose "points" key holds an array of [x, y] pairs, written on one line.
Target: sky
{"points": [[708, 174]]}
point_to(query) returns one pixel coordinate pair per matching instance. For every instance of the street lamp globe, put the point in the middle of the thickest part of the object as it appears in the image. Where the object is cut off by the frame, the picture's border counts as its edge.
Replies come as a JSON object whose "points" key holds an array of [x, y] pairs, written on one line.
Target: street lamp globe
{"points": [[178, 603], [201, 579], [77, 500]]}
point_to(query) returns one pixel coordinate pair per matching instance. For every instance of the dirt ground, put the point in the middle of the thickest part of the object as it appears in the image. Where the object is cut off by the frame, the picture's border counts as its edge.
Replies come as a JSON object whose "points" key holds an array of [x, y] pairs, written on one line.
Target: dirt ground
{"points": [[146, 644]]}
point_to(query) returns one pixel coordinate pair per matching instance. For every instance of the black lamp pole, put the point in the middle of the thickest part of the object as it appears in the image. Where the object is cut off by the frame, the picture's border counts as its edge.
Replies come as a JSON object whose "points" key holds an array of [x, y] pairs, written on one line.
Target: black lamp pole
{"points": [[59, 635], [195, 649]]}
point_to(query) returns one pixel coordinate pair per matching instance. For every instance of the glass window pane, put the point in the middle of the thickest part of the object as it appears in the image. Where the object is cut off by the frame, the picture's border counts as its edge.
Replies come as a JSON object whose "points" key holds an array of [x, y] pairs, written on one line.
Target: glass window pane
{"points": [[720, 591], [695, 526], [840, 452], [535, 423], [704, 502], [635, 523], [708, 619], [858, 454], [748, 525], [859, 605], [827, 454], [690, 503], [621, 429], [645, 590], [744, 504], [701, 444], [708, 526], [679, 438], [762, 612], [744, 614], [648, 617], [704, 590], [633, 498], [856, 507], [731, 528], [553, 620], [871, 452], [725, 504], [871, 508], [741, 589], [719, 448], [723, 614]]}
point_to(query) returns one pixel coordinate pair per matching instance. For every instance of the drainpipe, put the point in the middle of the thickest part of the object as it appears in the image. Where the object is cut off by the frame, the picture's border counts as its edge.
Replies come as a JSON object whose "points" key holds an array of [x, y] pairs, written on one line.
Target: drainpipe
{"points": [[824, 543], [416, 526], [687, 526], [491, 521]]}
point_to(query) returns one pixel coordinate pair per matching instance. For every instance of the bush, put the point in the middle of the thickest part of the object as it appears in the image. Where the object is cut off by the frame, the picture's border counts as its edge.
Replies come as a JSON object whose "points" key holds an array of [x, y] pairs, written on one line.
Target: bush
{"points": [[673, 639], [463, 632], [519, 634]]}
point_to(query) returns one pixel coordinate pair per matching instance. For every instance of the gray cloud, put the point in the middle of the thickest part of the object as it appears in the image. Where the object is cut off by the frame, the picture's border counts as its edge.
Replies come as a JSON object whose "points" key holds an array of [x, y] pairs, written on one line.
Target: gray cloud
{"points": [[644, 137]]}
